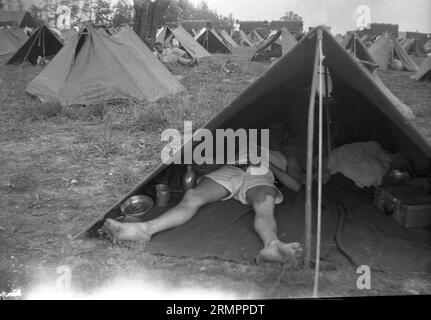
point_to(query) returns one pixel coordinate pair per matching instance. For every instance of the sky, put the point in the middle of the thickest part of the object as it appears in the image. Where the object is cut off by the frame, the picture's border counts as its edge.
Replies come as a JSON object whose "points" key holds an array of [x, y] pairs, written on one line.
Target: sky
{"points": [[411, 15]]}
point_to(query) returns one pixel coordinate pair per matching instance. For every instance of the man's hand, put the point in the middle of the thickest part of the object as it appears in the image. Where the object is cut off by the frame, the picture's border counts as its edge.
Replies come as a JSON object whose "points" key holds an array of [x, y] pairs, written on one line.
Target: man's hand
{"points": [[286, 179]]}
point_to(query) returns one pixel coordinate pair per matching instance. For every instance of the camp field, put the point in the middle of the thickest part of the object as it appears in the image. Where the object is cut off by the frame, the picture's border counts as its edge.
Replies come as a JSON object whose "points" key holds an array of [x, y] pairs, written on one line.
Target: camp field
{"points": [[60, 168]]}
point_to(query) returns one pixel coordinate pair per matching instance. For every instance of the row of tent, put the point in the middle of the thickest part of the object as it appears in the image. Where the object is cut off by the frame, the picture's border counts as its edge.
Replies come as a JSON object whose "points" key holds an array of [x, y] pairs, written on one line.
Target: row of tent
{"points": [[387, 53], [95, 66], [99, 65]]}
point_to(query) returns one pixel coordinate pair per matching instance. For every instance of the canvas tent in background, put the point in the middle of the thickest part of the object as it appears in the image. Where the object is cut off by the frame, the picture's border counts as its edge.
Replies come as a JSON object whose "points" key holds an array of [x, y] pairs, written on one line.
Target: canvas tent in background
{"points": [[413, 47], [186, 41], [355, 46], [210, 40], [385, 50], [255, 37], [11, 39], [228, 39], [19, 19], [276, 45], [244, 40], [225, 229], [96, 67], [424, 72], [43, 43]]}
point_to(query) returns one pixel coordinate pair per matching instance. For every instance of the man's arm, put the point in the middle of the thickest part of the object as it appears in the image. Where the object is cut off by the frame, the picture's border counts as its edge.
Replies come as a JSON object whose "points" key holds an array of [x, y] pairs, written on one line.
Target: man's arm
{"points": [[286, 179]]}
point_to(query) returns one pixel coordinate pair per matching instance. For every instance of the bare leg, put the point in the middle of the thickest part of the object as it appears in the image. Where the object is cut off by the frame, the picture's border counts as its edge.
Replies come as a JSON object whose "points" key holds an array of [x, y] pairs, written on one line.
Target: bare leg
{"points": [[263, 200], [207, 191]]}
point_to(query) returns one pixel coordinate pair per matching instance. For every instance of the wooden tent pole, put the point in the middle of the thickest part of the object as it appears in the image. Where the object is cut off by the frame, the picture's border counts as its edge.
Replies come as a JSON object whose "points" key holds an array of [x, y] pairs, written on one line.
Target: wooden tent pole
{"points": [[309, 174]]}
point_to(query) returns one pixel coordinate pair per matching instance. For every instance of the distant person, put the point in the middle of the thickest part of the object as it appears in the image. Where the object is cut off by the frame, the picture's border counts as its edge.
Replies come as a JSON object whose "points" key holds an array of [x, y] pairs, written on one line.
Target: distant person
{"points": [[166, 55], [236, 30]]}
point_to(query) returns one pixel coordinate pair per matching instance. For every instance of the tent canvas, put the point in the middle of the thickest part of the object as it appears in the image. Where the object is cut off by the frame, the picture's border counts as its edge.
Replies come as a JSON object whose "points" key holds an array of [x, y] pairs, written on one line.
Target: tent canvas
{"points": [[190, 45], [96, 67], [228, 39], [384, 50], [255, 37], [279, 43], [224, 229], [42, 43], [210, 40], [354, 45], [424, 72], [244, 40], [11, 40], [413, 47], [19, 19]]}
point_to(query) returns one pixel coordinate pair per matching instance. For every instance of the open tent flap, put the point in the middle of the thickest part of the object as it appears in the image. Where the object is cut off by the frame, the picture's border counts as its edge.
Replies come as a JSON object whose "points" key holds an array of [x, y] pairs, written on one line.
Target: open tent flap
{"points": [[359, 111], [42, 43], [210, 40]]}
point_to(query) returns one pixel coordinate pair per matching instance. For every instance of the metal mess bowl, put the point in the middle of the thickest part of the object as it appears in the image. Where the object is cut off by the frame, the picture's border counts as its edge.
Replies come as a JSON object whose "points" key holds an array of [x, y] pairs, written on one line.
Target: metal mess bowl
{"points": [[136, 206]]}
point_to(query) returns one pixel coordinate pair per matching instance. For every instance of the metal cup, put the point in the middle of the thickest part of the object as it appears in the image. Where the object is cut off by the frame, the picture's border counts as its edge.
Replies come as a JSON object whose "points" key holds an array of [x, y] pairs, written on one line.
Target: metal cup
{"points": [[162, 195]]}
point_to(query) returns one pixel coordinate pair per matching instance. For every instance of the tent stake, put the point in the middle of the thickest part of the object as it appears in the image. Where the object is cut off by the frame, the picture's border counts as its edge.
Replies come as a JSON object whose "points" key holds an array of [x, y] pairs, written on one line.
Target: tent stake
{"points": [[309, 174]]}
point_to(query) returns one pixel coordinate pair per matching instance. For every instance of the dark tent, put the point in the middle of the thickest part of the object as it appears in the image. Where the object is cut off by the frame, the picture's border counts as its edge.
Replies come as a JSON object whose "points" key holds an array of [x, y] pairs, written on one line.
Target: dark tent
{"points": [[413, 47], [96, 67], [42, 43], [187, 42], [210, 40], [19, 19], [362, 110]]}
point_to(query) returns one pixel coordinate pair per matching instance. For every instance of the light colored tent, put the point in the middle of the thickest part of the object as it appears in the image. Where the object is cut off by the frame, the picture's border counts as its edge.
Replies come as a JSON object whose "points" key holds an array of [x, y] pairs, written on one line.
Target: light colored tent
{"points": [[278, 42], [96, 67], [255, 37], [384, 50], [187, 43], [424, 72], [244, 40], [283, 93], [43, 42], [211, 41], [228, 39], [11, 40]]}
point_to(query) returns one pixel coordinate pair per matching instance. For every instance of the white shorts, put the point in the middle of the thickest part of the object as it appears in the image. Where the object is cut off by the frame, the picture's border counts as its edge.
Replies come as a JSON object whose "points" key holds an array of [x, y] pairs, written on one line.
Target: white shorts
{"points": [[238, 182]]}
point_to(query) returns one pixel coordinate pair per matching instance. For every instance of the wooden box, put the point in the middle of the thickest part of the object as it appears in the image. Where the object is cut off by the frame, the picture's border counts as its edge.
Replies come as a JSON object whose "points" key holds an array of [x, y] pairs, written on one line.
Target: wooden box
{"points": [[409, 205]]}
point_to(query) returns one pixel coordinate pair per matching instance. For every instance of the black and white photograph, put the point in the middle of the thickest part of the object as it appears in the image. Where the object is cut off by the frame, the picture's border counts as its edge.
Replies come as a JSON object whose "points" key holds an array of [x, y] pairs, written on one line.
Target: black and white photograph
{"points": [[238, 152]]}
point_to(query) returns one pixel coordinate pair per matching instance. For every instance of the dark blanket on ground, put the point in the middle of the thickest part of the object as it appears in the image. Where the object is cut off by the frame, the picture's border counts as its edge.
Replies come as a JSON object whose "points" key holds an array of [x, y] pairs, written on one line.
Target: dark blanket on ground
{"points": [[349, 221]]}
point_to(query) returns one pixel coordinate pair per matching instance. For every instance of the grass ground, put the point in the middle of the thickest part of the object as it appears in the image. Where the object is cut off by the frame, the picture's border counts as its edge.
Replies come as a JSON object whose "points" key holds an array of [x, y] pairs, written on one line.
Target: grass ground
{"points": [[60, 168]]}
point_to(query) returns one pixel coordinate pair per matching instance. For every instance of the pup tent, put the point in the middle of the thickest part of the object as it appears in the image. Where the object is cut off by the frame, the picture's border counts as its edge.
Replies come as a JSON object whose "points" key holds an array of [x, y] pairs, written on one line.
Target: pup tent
{"points": [[424, 72], [43, 43], [20, 19], [413, 47], [361, 110], [384, 50], [11, 39], [210, 40], [255, 37], [228, 39], [244, 40], [187, 43], [96, 67], [356, 47], [276, 45]]}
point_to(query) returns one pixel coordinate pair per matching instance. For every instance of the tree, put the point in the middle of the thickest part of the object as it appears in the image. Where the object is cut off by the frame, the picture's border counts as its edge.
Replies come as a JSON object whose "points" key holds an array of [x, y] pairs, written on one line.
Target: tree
{"points": [[148, 18], [291, 16], [102, 12], [123, 13]]}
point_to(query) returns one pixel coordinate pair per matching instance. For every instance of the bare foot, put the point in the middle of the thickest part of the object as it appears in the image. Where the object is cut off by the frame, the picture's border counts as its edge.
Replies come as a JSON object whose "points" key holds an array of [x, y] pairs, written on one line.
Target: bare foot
{"points": [[278, 251], [118, 231]]}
